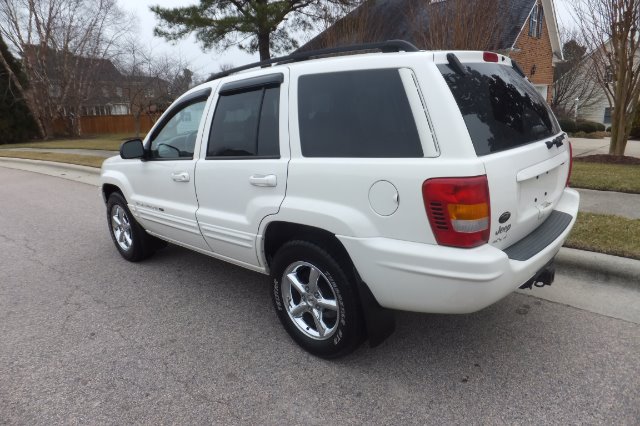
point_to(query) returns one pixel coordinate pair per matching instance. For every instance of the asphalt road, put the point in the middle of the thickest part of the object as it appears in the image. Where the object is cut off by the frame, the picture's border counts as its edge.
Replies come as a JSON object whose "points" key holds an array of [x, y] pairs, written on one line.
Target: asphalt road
{"points": [[86, 337]]}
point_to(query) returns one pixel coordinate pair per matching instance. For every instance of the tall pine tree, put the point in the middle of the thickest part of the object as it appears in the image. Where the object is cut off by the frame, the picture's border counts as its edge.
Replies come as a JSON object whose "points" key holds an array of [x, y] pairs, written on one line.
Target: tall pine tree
{"points": [[253, 25]]}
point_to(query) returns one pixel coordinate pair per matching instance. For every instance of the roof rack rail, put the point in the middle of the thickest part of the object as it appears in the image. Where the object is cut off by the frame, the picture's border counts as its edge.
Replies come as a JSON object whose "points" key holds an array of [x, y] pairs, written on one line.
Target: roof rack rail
{"points": [[384, 46]]}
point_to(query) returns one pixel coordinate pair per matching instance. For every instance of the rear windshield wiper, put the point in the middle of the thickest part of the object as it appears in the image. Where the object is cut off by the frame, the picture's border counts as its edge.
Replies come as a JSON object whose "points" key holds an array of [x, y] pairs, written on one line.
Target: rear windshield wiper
{"points": [[456, 65]]}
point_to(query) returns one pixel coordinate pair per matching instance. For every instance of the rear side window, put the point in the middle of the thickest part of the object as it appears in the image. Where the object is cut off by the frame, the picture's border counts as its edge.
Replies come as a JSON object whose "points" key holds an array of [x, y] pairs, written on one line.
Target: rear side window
{"points": [[356, 114], [245, 124], [500, 108]]}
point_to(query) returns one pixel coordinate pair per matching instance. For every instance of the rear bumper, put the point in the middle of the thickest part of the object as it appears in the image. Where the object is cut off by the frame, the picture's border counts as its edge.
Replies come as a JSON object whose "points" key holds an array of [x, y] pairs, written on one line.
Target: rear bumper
{"points": [[429, 278]]}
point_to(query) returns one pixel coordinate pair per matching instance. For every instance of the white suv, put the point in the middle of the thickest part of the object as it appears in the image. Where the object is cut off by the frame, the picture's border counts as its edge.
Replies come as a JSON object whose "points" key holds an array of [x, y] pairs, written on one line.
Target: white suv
{"points": [[402, 180]]}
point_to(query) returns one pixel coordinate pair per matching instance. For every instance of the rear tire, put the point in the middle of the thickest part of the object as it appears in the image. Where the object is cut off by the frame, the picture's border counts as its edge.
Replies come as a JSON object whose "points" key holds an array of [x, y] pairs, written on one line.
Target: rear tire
{"points": [[315, 300], [131, 240]]}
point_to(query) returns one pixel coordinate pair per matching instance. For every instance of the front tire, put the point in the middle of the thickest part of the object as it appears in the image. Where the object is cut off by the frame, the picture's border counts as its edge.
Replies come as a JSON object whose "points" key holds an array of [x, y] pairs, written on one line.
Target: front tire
{"points": [[131, 240], [315, 300]]}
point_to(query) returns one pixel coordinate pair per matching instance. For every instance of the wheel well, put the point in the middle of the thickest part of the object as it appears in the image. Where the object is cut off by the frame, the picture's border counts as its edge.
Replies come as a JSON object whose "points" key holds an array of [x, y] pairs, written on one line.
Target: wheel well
{"points": [[108, 189], [278, 233]]}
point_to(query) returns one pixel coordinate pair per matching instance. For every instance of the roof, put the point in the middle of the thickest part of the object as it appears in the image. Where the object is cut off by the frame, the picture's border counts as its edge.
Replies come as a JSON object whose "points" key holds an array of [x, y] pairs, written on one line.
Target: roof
{"points": [[398, 19], [56, 61]]}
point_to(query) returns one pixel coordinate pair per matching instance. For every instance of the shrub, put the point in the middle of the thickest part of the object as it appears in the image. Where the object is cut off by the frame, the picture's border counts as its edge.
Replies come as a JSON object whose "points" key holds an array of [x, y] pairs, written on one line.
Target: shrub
{"points": [[567, 125], [589, 126]]}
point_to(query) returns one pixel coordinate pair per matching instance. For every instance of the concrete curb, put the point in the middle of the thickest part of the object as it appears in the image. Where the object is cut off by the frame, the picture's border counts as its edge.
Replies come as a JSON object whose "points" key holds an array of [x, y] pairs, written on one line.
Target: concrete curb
{"points": [[598, 266], [75, 167], [82, 174]]}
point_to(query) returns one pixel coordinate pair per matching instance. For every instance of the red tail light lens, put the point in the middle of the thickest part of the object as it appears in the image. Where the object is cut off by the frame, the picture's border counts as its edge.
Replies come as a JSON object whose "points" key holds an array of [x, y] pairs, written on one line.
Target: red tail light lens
{"points": [[570, 164], [490, 57], [458, 209]]}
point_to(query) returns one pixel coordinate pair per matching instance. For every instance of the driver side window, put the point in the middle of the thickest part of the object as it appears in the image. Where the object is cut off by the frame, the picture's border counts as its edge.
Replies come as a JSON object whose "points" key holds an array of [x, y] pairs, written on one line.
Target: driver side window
{"points": [[177, 138]]}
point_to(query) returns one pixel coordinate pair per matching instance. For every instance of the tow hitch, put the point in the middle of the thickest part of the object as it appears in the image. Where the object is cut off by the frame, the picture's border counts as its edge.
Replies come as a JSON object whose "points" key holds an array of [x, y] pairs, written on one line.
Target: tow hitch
{"points": [[543, 277]]}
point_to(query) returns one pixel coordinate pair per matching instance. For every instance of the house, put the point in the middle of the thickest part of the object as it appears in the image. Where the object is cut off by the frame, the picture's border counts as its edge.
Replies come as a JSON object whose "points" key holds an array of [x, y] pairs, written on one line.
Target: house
{"points": [[524, 30], [80, 86]]}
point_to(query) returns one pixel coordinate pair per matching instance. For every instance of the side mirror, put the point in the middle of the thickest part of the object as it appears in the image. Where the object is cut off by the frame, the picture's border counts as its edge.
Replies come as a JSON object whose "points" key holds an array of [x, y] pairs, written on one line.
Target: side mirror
{"points": [[132, 149]]}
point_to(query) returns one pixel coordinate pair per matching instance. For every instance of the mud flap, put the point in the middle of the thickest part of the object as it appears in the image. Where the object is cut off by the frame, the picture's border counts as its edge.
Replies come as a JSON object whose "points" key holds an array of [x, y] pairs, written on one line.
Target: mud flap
{"points": [[380, 322]]}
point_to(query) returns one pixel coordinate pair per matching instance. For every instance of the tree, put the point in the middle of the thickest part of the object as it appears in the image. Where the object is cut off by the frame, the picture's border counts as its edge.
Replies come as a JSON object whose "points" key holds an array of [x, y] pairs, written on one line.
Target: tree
{"points": [[573, 79], [61, 44], [253, 25], [458, 24], [151, 82], [611, 30], [16, 122]]}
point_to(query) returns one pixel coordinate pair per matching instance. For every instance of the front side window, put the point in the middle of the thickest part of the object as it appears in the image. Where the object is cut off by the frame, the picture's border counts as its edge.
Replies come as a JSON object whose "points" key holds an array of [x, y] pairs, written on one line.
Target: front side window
{"points": [[177, 138], [363, 114], [245, 124]]}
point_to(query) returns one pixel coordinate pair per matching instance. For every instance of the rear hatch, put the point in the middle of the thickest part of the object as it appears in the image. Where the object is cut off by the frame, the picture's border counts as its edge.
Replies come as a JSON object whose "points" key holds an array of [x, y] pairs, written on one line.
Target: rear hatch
{"points": [[514, 132]]}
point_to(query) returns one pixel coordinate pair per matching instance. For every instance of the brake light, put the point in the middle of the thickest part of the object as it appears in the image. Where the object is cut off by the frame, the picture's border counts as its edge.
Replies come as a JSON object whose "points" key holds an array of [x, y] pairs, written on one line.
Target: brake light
{"points": [[570, 164], [458, 210], [490, 57]]}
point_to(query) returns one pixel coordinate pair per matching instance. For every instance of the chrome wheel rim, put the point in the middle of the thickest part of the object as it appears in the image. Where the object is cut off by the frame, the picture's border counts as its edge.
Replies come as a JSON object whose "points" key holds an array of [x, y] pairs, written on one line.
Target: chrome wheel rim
{"points": [[121, 227], [310, 300]]}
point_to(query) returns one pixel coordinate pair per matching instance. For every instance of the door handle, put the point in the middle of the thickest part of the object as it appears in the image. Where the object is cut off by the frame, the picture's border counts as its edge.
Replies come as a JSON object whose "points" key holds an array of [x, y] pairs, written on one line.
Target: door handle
{"points": [[180, 176], [263, 180]]}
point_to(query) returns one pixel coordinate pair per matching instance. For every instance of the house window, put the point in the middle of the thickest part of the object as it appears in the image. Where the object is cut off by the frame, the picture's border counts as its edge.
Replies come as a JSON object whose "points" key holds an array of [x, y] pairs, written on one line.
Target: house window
{"points": [[535, 21], [119, 92], [607, 115]]}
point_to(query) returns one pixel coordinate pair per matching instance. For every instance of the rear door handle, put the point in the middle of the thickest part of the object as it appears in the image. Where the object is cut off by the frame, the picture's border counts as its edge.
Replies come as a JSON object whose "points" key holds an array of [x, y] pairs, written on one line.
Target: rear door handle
{"points": [[180, 176], [263, 180]]}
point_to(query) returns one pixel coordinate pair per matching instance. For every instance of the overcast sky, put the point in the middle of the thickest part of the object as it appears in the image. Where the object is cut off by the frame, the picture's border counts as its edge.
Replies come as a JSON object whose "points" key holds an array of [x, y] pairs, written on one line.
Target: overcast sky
{"points": [[204, 63]]}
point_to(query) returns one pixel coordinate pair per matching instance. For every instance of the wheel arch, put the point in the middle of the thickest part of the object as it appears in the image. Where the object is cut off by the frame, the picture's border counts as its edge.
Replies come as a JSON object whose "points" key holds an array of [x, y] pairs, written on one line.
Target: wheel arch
{"points": [[278, 233], [108, 189]]}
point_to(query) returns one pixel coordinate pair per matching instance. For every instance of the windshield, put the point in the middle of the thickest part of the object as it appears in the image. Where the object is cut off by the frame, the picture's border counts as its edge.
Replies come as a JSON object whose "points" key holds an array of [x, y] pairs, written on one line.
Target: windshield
{"points": [[500, 108]]}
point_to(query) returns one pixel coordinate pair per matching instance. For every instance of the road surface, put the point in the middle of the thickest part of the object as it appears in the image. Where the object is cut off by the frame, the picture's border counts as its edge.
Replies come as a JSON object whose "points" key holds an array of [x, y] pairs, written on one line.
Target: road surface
{"points": [[86, 337]]}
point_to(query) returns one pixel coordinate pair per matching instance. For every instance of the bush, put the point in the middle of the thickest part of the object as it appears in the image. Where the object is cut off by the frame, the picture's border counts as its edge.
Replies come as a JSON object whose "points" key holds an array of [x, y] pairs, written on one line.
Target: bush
{"points": [[567, 125], [589, 126]]}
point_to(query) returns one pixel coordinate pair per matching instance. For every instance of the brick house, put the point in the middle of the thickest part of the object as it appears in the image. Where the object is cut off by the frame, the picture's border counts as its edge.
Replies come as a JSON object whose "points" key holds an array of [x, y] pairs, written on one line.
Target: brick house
{"points": [[525, 30]]}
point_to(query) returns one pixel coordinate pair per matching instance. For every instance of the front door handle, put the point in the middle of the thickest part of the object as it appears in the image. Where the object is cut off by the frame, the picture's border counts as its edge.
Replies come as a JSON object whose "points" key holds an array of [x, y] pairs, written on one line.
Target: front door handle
{"points": [[263, 180], [180, 176]]}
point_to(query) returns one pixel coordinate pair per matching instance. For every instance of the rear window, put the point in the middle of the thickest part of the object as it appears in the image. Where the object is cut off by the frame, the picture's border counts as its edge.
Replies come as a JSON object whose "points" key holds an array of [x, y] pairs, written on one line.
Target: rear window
{"points": [[356, 114], [500, 108]]}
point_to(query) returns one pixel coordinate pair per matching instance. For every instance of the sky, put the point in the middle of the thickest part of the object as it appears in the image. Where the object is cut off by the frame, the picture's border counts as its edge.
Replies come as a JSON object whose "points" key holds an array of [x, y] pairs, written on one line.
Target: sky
{"points": [[206, 62]]}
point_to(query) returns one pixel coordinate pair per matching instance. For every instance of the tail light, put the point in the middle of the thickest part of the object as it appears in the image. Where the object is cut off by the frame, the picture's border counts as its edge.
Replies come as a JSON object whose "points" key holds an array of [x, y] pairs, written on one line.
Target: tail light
{"points": [[570, 164], [490, 57], [458, 210]]}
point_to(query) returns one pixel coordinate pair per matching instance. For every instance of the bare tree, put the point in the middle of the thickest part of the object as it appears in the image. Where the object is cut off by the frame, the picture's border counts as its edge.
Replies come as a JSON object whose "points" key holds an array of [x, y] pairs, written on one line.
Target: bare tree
{"points": [[572, 78], [362, 25], [151, 82], [60, 43], [611, 30], [457, 24]]}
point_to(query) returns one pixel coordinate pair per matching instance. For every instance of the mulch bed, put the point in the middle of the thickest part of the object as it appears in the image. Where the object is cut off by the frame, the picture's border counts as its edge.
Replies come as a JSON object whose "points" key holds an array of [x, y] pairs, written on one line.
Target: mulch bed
{"points": [[607, 159]]}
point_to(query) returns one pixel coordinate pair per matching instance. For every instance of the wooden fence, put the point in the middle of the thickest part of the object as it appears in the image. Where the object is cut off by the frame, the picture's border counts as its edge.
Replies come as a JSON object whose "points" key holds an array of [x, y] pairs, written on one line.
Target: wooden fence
{"points": [[104, 124]]}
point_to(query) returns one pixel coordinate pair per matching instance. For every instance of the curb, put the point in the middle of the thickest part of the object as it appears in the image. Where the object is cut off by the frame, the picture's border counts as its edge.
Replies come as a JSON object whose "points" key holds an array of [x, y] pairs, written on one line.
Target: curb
{"points": [[58, 165], [598, 266], [74, 172]]}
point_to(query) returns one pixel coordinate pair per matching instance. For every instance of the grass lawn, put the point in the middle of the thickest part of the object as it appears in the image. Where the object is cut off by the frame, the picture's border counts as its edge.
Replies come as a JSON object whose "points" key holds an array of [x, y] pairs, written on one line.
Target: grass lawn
{"points": [[606, 177], [607, 234], [106, 142], [83, 160]]}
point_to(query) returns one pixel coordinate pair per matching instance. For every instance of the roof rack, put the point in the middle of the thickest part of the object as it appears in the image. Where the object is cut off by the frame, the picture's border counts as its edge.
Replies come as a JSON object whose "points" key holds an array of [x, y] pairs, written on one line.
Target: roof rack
{"points": [[385, 47]]}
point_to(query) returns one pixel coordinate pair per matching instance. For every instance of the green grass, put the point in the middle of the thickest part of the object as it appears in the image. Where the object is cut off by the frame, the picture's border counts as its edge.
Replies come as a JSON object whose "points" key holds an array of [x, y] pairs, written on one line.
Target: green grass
{"points": [[606, 177], [106, 142], [83, 160], [607, 234]]}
